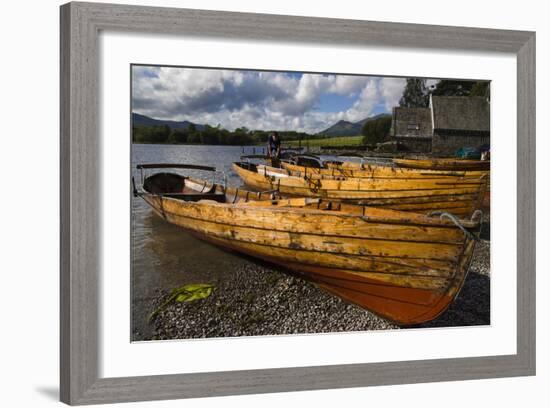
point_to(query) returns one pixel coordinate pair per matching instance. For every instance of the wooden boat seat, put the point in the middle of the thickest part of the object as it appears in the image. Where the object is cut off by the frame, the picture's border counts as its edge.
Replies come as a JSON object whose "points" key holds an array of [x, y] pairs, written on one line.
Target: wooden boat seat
{"points": [[194, 197], [290, 202]]}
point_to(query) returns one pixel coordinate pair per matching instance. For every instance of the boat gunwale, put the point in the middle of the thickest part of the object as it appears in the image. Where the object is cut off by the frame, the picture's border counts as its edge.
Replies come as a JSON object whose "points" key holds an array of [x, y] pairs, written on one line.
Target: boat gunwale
{"points": [[426, 220], [320, 234], [450, 180], [368, 170], [443, 164]]}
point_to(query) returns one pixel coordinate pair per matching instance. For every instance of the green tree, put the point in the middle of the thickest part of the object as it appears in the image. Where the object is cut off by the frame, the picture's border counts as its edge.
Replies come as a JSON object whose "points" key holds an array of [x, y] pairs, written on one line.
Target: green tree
{"points": [[210, 136], [137, 134], [447, 87], [194, 138], [481, 88], [376, 131], [242, 130], [178, 136], [157, 134], [415, 94], [224, 136]]}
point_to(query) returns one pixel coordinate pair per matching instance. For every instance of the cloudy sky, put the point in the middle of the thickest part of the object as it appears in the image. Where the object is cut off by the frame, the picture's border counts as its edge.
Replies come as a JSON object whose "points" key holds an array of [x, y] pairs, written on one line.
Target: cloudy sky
{"points": [[260, 100]]}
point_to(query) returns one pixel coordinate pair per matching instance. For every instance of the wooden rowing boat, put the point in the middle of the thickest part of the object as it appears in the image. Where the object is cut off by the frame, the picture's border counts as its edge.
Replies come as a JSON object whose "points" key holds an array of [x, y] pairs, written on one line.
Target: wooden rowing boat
{"points": [[450, 164], [402, 266], [443, 164], [459, 196], [379, 171]]}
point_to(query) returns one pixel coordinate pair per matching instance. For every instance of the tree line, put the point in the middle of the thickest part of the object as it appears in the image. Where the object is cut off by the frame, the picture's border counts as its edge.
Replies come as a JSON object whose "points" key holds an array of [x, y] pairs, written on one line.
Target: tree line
{"points": [[207, 135]]}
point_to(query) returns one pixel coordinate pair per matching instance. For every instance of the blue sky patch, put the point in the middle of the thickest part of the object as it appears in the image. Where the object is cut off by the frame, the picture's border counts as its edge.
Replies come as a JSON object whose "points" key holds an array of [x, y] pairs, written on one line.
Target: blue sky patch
{"points": [[329, 102]]}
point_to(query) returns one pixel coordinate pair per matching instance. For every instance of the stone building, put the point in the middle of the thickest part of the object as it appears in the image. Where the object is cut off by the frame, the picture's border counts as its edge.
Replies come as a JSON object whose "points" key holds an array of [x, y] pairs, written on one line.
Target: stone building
{"points": [[413, 128], [446, 125], [459, 121]]}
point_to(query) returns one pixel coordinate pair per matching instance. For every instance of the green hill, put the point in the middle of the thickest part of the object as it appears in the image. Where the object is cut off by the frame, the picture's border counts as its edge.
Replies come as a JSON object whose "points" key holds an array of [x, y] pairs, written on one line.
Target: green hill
{"points": [[345, 128], [142, 120]]}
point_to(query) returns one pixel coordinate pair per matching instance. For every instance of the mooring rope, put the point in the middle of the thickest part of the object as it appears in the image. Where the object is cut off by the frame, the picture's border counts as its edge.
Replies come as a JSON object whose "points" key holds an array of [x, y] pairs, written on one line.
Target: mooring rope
{"points": [[456, 221], [314, 185], [475, 215]]}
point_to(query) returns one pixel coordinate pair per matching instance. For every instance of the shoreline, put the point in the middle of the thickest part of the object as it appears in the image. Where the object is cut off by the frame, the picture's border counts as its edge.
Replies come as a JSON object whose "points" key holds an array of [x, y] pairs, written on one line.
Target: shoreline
{"points": [[257, 299]]}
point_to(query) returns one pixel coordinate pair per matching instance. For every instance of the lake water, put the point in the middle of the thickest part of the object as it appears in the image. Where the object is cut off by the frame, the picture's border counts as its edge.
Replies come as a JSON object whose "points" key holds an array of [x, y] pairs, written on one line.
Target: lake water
{"points": [[165, 256]]}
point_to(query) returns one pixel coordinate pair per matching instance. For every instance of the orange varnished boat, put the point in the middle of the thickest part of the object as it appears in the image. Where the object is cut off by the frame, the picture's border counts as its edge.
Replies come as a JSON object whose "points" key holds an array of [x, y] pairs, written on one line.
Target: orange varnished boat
{"points": [[380, 171], [434, 164], [461, 196], [402, 266], [443, 164]]}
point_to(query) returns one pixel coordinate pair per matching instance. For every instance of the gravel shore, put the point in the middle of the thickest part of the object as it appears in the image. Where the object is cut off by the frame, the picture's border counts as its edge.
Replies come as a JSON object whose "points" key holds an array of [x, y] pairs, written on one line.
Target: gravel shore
{"points": [[259, 300]]}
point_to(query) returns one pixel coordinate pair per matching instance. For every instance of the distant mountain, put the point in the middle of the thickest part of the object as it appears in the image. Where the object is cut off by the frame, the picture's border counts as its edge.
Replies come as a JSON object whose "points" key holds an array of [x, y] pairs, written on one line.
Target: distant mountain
{"points": [[342, 128], [142, 120], [345, 128], [380, 115]]}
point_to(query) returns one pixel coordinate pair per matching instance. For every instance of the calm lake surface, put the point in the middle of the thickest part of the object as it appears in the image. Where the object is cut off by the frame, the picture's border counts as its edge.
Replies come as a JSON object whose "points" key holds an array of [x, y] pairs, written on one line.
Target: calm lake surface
{"points": [[165, 256]]}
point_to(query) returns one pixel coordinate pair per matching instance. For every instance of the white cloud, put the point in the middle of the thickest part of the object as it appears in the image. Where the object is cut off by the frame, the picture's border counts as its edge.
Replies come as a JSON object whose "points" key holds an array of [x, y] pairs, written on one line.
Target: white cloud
{"points": [[257, 100], [391, 90], [348, 84], [367, 101]]}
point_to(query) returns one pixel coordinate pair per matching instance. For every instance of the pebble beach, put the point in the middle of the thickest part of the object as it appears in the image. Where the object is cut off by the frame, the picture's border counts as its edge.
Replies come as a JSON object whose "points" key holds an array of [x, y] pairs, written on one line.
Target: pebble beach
{"points": [[257, 299]]}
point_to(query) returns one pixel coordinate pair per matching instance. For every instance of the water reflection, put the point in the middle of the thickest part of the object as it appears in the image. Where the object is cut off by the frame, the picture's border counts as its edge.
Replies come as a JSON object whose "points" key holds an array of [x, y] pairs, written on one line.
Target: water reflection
{"points": [[164, 256]]}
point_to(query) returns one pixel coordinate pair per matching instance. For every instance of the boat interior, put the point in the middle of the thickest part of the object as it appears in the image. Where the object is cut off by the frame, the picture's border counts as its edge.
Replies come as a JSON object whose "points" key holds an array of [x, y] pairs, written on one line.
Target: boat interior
{"points": [[247, 165], [177, 186]]}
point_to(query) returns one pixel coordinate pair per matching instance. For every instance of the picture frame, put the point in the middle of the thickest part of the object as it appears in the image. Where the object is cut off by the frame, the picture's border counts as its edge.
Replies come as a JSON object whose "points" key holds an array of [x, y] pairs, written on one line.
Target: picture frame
{"points": [[80, 154]]}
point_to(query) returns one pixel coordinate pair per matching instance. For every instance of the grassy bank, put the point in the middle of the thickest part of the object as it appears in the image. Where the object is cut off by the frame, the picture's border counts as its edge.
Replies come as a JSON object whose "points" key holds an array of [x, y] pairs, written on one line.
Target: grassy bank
{"points": [[332, 141]]}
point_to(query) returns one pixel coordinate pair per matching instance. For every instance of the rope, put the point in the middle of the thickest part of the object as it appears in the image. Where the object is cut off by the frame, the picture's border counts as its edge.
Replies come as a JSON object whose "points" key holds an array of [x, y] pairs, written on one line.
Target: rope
{"points": [[476, 214], [314, 185], [456, 221]]}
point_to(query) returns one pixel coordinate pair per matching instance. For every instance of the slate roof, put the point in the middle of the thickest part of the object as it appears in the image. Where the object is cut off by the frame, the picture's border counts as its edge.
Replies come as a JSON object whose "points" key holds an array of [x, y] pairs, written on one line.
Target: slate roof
{"points": [[463, 113]]}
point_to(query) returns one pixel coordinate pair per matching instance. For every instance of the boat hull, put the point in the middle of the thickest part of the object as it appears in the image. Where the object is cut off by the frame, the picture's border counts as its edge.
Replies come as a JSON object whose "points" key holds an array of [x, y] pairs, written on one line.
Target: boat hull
{"points": [[452, 194], [377, 171], [404, 267], [443, 164]]}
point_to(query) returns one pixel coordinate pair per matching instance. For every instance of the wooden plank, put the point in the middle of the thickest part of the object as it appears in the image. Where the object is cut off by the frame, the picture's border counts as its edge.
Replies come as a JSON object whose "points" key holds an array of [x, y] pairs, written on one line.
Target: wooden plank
{"points": [[287, 257], [380, 171], [415, 196], [443, 164], [318, 244], [322, 223]]}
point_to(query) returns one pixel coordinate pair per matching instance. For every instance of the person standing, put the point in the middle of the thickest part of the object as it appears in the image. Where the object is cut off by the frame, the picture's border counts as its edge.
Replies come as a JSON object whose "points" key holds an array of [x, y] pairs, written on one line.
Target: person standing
{"points": [[274, 148]]}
